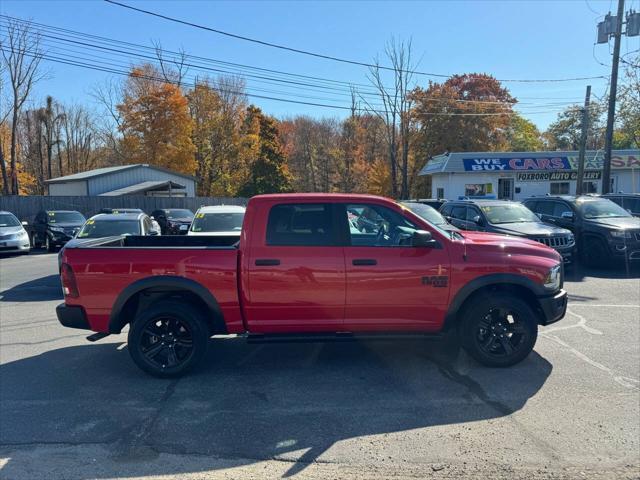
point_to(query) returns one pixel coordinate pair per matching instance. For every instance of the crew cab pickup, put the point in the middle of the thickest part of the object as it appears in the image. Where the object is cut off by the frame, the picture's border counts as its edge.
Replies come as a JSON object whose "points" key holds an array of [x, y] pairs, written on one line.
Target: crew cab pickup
{"points": [[304, 268]]}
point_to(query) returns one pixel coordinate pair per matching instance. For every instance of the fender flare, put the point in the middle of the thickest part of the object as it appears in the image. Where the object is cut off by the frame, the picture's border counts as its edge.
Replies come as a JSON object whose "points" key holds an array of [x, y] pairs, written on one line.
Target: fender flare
{"points": [[169, 283], [501, 279]]}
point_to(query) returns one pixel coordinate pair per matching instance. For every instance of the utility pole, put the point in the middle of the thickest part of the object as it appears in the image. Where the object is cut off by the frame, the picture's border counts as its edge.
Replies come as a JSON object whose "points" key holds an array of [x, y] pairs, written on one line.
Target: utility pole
{"points": [[606, 167], [583, 141]]}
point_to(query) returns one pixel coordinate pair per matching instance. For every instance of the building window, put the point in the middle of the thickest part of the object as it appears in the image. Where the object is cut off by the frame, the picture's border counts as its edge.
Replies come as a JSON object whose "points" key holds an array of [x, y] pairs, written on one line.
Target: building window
{"points": [[559, 188], [589, 187], [475, 189], [440, 192]]}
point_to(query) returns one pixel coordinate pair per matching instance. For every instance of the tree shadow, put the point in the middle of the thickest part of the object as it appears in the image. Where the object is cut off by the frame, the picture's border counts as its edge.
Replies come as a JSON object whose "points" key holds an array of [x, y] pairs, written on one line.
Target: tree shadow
{"points": [[41, 289], [252, 402]]}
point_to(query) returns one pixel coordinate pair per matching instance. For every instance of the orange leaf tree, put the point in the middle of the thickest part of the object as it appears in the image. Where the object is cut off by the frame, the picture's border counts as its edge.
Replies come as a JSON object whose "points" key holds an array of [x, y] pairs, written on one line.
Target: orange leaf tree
{"points": [[156, 125]]}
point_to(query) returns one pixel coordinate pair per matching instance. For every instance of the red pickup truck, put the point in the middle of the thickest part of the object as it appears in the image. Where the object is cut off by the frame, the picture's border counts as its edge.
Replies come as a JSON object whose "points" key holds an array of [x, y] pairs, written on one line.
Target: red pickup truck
{"points": [[314, 267]]}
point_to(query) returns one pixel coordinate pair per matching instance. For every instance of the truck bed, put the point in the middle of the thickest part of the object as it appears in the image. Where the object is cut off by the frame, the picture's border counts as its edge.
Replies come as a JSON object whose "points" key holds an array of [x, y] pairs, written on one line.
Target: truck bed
{"points": [[106, 267]]}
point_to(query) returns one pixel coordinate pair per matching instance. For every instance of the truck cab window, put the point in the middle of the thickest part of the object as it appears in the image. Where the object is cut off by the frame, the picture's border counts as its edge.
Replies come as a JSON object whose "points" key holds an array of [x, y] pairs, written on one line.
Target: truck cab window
{"points": [[377, 226], [306, 224]]}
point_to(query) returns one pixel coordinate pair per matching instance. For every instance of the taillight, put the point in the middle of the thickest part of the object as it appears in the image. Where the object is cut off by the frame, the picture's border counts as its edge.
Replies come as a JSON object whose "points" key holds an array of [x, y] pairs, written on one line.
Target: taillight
{"points": [[68, 279]]}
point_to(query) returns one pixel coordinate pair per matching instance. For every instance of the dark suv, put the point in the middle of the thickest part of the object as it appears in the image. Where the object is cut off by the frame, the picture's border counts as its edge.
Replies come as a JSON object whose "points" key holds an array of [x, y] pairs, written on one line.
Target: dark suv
{"points": [[54, 228], [629, 201], [173, 221], [508, 218], [604, 231]]}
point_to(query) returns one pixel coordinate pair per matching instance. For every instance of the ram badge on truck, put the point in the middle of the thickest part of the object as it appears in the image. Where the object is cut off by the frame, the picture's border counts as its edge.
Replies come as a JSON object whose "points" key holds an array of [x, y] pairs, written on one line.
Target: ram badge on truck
{"points": [[314, 266]]}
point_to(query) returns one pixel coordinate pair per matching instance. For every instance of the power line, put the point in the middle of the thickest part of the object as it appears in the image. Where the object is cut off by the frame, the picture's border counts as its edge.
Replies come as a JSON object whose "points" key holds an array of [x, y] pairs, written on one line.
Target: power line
{"points": [[150, 54], [329, 57], [89, 66]]}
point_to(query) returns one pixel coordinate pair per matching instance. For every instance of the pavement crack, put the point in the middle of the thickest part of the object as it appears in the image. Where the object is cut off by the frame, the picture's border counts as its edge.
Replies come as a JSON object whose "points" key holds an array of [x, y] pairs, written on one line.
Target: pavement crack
{"points": [[476, 390], [133, 444]]}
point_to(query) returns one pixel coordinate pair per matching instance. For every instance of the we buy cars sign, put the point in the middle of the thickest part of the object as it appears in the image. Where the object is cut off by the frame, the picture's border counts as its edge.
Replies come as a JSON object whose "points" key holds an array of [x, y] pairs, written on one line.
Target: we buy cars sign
{"points": [[545, 164], [497, 164]]}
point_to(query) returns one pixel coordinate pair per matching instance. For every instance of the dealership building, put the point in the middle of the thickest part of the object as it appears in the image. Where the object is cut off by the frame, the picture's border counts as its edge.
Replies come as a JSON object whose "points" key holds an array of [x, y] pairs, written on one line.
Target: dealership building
{"points": [[518, 175]]}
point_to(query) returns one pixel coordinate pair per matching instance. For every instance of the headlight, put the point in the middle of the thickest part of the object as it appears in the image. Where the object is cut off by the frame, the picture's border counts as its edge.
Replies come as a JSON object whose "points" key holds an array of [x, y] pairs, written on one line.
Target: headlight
{"points": [[552, 280], [571, 239], [621, 234]]}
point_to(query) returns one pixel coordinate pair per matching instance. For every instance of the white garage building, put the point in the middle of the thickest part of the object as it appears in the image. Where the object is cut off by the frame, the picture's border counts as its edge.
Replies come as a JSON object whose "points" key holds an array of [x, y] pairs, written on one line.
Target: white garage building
{"points": [[518, 175]]}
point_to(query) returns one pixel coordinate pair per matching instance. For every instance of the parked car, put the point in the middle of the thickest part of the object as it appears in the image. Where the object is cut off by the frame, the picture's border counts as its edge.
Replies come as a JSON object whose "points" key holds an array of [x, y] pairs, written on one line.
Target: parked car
{"points": [[604, 231], [218, 220], [13, 236], [120, 210], [430, 214], [508, 218], [173, 221], [300, 273], [54, 228], [110, 225], [432, 202], [629, 201]]}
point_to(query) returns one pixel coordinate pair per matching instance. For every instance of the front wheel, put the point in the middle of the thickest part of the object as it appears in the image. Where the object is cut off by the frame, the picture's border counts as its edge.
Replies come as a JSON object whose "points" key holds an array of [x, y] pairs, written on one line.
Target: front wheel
{"points": [[168, 339], [498, 330]]}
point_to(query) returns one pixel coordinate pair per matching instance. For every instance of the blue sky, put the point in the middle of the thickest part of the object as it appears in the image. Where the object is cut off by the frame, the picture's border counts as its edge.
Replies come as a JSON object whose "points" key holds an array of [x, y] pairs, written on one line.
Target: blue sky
{"points": [[509, 39]]}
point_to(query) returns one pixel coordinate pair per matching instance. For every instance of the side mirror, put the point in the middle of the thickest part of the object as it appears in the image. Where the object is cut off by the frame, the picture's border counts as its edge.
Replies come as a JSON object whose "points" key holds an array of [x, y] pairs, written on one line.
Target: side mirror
{"points": [[422, 238], [567, 215], [478, 220]]}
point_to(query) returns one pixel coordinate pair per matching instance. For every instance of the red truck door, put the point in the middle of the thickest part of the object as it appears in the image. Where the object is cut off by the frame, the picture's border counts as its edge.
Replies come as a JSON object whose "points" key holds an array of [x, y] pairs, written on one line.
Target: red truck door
{"points": [[294, 271], [390, 284]]}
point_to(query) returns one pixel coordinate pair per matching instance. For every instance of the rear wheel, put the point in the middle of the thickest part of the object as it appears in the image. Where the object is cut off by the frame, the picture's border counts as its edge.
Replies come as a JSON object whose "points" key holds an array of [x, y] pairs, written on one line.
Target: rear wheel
{"points": [[49, 245], [168, 339], [498, 330]]}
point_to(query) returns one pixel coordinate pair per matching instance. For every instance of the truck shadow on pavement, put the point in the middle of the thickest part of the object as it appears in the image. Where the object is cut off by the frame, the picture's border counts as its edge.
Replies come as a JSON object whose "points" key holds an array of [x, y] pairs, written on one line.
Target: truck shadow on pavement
{"points": [[290, 402], [41, 289]]}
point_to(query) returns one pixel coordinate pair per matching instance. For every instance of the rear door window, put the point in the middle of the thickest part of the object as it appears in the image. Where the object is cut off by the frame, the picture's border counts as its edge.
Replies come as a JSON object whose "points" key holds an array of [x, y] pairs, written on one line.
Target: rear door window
{"points": [[459, 212], [305, 224]]}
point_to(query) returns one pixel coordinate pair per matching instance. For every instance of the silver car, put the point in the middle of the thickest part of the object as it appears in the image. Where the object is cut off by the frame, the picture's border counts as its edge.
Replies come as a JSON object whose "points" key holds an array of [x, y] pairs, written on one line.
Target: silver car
{"points": [[13, 237]]}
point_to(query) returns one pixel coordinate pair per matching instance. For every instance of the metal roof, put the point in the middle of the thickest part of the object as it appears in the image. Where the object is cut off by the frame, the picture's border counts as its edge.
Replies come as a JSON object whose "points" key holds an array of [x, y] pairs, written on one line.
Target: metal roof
{"points": [[142, 187], [453, 161], [98, 172]]}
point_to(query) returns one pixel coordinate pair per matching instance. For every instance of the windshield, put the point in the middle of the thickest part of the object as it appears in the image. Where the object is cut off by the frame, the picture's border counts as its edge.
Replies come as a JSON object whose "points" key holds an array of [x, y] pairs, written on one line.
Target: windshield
{"points": [[430, 214], [497, 214], [601, 209], [8, 220], [108, 228], [65, 217], [217, 222], [179, 213]]}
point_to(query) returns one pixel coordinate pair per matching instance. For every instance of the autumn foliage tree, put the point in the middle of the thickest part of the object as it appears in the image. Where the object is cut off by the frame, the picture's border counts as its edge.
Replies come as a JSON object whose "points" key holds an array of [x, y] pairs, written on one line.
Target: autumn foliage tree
{"points": [[268, 170], [156, 125], [465, 113]]}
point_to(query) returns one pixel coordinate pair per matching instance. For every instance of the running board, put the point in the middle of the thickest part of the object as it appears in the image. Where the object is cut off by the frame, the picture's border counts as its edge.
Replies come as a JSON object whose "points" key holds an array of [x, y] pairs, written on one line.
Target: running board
{"points": [[338, 337], [97, 336]]}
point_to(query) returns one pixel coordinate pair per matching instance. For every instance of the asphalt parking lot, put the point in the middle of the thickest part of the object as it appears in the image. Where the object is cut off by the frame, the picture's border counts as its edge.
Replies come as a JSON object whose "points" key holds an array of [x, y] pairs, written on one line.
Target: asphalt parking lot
{"points": [[72, 409]]}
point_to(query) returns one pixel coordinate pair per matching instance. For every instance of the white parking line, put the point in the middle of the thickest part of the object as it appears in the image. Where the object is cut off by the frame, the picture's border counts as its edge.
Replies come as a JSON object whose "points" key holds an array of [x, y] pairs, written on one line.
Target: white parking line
{"points": [[582, 323], [590, 305], [627, 382]]}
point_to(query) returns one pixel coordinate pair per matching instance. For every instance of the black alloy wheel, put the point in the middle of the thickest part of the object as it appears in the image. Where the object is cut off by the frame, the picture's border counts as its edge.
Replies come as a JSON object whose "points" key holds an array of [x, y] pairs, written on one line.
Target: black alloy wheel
{"points": [[168, 338], [498, 329]]}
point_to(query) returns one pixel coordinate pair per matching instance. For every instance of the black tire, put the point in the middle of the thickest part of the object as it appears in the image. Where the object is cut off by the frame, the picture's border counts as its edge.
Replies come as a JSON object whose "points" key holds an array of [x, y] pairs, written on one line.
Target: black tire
{"points": [[50, 247], [168, 339], [595, 253], [498, 330], [34, 241]]}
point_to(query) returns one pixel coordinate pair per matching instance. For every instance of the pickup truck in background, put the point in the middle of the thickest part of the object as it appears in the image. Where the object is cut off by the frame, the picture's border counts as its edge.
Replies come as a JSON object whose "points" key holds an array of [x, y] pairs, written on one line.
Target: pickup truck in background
{"points": [[302, 269]]}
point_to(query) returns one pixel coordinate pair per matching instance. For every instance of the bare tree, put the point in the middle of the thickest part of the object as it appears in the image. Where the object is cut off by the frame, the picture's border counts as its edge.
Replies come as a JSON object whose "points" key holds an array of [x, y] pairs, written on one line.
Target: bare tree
{"points": [[22, 54], [395, 110], [172, 65], [108, 95], [50, 119]]}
